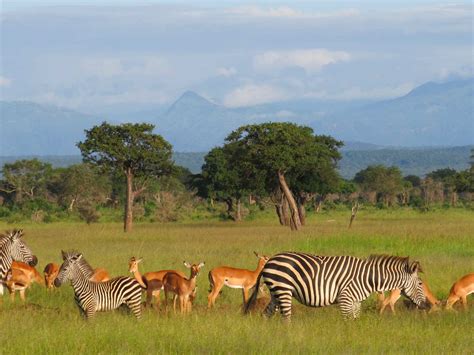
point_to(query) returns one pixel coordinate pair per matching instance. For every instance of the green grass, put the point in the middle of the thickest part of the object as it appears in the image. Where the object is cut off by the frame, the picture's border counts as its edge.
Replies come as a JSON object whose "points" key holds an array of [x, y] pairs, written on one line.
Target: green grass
{"points": [[50, 322]]}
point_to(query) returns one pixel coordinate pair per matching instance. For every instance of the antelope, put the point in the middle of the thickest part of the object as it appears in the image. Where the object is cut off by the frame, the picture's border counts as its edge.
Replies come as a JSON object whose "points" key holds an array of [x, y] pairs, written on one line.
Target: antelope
{"points": [[183, 287], [20, 277], [395, 295], [149, 276], [460, 290], [233, 278], [50, 272], [100, 275]]}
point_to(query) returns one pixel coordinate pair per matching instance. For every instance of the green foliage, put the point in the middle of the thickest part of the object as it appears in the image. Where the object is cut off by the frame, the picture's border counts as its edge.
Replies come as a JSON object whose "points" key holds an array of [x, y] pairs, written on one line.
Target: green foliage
{"points": [[384, 180], [26, 179], [127, 147], [307, 161]]}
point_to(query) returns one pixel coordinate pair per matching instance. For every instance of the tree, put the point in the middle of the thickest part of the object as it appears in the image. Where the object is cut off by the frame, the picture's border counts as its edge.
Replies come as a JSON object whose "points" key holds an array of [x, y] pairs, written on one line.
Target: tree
{"points": [[386, 181], [222, 180], [134, 151], [272, 155], [81, 184], [25, 178]]}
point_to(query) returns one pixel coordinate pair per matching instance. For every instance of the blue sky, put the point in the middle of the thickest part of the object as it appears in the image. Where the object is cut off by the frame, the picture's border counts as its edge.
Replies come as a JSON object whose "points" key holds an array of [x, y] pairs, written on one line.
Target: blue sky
{"points": [[96, 55]]}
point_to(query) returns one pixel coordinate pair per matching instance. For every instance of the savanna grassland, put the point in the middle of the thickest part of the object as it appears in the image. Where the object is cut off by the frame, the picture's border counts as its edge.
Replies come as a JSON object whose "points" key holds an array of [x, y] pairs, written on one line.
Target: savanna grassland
{"points": [[49, 322]]}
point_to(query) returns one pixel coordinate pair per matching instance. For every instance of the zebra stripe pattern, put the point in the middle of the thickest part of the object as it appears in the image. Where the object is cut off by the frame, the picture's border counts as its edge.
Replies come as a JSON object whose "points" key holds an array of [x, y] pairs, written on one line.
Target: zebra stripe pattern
{"points": [[92, 297], [319, 281], [13, 248]]}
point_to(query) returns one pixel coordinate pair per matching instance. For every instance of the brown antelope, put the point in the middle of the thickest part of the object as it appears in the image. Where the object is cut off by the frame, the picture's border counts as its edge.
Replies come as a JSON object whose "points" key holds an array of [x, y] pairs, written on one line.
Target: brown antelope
{"points": [[152, 275], [395, 295], [460, 290], [100, 275], [20, 277], [183, 287], [50, 272], [233, 278]]}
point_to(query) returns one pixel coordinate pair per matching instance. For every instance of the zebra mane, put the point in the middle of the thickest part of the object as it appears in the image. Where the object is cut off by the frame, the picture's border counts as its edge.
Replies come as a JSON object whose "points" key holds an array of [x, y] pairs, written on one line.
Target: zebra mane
{"points": [[81, 263], [379, 258]]}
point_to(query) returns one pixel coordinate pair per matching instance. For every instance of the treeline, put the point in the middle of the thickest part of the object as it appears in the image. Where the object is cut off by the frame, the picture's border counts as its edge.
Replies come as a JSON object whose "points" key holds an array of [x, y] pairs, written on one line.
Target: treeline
{"points": [[128, 173]]}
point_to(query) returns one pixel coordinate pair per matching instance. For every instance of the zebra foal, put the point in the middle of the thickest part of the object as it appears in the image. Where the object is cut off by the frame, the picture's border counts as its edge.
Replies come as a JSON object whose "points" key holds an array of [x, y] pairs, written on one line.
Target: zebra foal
{"points": [[13, 248], [92, 297], [319, 281]]}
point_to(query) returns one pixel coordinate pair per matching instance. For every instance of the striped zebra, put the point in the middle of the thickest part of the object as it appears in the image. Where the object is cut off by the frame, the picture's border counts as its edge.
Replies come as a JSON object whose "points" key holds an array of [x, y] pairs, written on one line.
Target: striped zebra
{"points": [[13, 248], [92, 297], [319, 281]]}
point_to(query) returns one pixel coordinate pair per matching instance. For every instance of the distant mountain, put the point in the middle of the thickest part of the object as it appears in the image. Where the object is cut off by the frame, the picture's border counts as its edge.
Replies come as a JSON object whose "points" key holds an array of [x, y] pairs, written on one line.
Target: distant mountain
{"points": [[27, 128], [431, 114], [411, 161]]}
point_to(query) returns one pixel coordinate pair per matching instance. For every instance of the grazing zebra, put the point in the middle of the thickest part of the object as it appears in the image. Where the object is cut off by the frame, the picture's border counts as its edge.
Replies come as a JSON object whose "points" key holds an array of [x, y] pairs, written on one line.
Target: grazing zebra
{"points": [[13, 248], [92, 297], [318, 281]]}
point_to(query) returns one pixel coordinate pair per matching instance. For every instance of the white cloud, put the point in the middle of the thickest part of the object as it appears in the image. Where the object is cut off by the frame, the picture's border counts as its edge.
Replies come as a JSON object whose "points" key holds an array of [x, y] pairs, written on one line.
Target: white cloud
{"points": [[287, 12], [226, 72], [127, 66], [251, 94], [311, 60], [5, 81]]}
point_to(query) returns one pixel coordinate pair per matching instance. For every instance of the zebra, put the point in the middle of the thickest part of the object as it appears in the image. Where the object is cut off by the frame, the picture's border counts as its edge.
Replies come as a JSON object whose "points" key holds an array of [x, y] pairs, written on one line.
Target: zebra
{"points": [[319, 281], [13, 248], [92, 297]]}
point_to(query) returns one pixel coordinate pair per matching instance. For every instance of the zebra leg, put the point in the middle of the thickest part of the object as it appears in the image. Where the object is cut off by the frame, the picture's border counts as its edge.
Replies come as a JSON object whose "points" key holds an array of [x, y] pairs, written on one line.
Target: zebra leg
{"points": [[89, 312], [284, 303], [135, 306], [350, 307]]}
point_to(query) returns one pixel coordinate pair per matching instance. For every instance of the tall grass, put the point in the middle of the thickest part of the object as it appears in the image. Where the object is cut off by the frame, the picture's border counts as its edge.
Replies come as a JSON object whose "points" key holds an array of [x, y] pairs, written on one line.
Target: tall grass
{"points": [[50, 323]]}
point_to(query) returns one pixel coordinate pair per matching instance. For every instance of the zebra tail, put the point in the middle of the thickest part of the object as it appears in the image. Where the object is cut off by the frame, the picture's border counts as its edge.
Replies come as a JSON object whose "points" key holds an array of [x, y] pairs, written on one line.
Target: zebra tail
{"points": [[253, 298]]}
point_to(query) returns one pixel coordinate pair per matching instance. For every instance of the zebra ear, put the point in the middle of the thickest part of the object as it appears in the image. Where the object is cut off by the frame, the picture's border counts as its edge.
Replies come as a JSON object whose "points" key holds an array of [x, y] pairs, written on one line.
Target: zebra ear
{"points": [[63, 254], [79, 257], [415, 267]]}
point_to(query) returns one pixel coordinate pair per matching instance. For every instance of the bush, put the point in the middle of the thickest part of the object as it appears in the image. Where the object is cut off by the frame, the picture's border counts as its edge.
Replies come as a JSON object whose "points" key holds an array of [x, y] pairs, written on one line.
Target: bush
{"points": [[88, 213]]}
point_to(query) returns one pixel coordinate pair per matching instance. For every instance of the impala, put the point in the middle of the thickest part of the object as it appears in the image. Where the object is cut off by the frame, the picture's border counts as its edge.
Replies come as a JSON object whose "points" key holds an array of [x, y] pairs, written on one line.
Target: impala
{"points": [[184, 288], [149, 276], [20, 277], [460, 290], [233, 278], [395, 295], [50, 272]]}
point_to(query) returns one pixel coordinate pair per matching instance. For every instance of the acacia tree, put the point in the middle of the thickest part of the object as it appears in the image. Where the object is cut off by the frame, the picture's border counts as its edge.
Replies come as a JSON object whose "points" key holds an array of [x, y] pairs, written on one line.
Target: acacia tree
{"points": [[274, 154], [131, 149], [222, 179]]}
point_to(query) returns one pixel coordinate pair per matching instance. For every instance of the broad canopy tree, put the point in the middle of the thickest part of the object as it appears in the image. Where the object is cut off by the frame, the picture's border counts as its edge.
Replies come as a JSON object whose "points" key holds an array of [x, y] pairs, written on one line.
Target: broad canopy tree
{"points": [[285, 157], [131, 149]]}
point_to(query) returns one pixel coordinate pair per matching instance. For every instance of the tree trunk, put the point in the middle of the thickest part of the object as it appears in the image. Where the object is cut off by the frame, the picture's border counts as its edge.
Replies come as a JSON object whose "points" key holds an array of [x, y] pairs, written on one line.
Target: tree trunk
{"points": [[295, 222], [71, 205], [128, 217], [238, 213], [285, 209], [302, 210], [230, 208]]}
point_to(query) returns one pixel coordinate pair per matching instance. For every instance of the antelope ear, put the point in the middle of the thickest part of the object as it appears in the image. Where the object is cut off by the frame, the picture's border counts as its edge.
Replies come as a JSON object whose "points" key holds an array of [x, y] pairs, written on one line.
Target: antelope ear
{"points": [[201, 264], [188, 265], [139, 260], [63, 254], [415, 267]]}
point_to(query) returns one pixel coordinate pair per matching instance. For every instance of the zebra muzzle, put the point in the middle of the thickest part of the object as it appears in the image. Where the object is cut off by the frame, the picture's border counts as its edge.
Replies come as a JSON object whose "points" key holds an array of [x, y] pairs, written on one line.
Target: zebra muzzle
{"points": [[33, 261]]}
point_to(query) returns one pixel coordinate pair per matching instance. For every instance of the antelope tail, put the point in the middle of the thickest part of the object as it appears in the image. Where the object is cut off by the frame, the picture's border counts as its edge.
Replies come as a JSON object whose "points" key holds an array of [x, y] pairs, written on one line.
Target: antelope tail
{"points": [[211, 281], [253, 298]]}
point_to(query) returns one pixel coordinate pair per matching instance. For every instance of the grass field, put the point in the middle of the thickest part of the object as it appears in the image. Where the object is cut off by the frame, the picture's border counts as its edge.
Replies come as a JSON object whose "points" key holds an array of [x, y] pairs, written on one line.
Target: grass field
{"points": [[49, 322]]}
